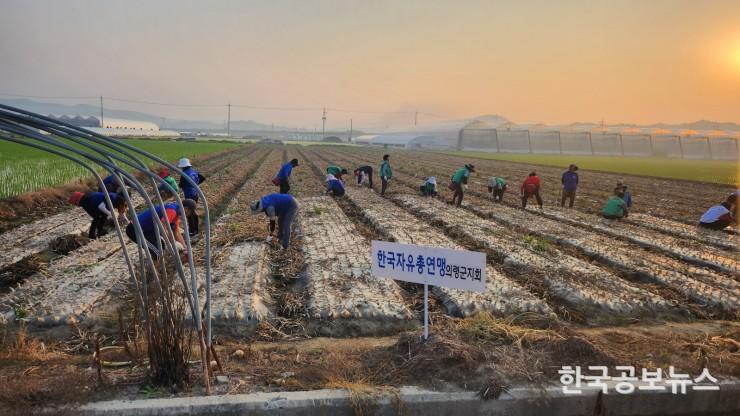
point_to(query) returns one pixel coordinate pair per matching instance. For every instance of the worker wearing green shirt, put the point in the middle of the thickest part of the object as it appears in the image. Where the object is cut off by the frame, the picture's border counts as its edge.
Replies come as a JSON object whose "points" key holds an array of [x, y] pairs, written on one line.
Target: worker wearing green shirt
{"points": [[497, 186], [459, 180], [615, 207], [385, 174], [337, 171]]}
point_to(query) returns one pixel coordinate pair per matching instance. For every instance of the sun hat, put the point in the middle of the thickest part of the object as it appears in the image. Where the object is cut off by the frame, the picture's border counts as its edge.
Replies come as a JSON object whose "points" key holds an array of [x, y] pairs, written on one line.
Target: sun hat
{"points": [[184, 163], [75, 198]]}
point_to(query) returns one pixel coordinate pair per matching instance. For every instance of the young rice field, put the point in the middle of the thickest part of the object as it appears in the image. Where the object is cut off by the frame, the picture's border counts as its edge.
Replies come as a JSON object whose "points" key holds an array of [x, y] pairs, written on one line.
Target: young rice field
{"points": [[24, 169]]}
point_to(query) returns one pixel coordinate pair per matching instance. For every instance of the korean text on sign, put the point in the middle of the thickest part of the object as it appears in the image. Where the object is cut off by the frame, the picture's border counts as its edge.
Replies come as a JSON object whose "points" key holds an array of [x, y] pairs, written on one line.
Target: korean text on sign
{"points": [[572, 379], [458, 269]]}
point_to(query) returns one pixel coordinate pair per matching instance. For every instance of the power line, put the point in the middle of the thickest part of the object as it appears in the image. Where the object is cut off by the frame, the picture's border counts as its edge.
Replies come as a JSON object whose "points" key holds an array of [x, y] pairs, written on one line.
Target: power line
{"points": [[250, 106], [48, 98], [124, 100]]}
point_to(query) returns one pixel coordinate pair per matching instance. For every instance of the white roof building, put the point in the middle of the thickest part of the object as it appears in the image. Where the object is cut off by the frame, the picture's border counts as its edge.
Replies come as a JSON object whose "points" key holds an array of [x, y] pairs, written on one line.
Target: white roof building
{"points": [[409, 141]]}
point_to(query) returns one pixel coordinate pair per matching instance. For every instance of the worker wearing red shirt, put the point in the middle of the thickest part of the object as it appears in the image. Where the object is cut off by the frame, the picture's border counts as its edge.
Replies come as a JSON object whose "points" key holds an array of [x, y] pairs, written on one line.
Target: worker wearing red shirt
{"points": [[170, 217], [531, 187]]}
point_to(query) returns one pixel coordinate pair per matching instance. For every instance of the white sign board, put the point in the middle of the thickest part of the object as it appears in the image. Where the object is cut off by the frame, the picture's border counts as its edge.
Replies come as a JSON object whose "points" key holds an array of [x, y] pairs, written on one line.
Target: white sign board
{"points": [[457, 269]]}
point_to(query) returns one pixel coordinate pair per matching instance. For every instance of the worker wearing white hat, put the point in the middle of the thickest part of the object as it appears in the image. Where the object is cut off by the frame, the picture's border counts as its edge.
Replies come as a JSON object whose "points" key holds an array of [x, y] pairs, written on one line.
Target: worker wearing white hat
{"points": [[190, 191]]}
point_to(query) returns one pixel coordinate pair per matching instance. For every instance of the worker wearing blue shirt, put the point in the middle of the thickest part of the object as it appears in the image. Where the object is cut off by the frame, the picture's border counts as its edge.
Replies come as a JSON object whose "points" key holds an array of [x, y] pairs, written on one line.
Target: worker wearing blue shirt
{"points": [[190, 191], [95, 204], [281, 210], [283, 175], [334, 186]]}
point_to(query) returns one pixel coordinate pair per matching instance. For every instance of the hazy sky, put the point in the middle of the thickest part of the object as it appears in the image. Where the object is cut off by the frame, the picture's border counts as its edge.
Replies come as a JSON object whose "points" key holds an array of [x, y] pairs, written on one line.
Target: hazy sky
{"points": [[543, 61]]}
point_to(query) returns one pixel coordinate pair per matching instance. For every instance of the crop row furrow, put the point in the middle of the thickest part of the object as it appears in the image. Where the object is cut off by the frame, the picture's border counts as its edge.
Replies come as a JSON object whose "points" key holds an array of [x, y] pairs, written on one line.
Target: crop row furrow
{"points": [[241, 270], [700, 284], [92, 275], [679, 248], [503, 296], [720, 239], [572, 279], [338, 279], [35, 237]]}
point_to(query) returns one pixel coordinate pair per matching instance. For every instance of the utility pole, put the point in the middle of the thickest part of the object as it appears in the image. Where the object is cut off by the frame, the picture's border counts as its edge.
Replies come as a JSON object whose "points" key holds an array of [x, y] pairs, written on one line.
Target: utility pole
{"points": [[228, 122], [102, 124], [350, 131], [416, 117], [323, 125]]}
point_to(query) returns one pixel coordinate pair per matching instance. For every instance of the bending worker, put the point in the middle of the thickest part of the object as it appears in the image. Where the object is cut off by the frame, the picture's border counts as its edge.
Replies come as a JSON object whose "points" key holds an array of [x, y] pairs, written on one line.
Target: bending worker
{"points": [[112, 183], [429, 187], [497, 186], [718, 217], [164, 173], [280, 209], [459, 180], [364, 175], [337, 171], [283, 176], [531, 187], [97, 207], [170, 218], [334, 186], [190, 191]]}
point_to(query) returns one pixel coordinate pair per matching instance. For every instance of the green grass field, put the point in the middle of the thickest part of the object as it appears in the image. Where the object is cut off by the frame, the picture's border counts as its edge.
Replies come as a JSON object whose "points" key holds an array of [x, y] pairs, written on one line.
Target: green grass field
{"points": [[715, 171], [23, 169]]}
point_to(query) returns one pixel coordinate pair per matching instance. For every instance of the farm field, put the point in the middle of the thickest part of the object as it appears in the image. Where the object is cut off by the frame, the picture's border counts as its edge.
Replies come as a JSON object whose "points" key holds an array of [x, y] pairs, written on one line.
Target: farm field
{"points": [[715, 171], [46, 181], [24, 169], [564, 287]]}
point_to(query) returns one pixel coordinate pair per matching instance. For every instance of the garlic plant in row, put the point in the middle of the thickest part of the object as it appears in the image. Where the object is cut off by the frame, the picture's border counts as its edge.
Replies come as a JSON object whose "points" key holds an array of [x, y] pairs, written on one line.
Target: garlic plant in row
{"points": [[338, 278], [503, 296], [571, 279], [686, 249], [700, 284], [706, 236]]}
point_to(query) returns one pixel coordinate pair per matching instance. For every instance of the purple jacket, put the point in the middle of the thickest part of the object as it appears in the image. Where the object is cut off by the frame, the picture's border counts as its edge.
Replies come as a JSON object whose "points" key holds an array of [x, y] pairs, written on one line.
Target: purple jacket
{"points": [[570, 181]]}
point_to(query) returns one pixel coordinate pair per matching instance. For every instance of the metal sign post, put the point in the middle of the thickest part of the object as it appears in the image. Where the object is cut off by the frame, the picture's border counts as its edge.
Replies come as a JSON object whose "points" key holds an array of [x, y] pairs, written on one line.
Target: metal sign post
{"points": [[456, 269], [426, 312]]}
